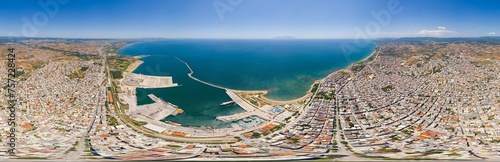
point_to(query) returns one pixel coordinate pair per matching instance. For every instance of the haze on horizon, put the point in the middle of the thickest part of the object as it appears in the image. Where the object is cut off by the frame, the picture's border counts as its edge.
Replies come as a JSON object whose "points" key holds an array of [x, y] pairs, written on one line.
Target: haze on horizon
{"points": [[249, 18]]}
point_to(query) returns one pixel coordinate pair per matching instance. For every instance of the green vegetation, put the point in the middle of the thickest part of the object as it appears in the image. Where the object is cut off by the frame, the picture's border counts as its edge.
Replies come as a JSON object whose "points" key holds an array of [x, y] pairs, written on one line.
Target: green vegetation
{"points": [[389, 150], [357, 67], [18, 73], [139, 123], [73, 147], [344, 73], [433, 151], [387, 88], [113, 47], [227, 150], [324, 95], [87, 145], [395, 138], [450, 128], [77, 74], [437, 69], [408, 131], [112, 121], [116, 74], [278, 127], [454, 154], [491, 117], [118, 65], [294, 140], [256, 135], [495, 141], [423, 95], [82, 56], [315, 87], [84, 68]]}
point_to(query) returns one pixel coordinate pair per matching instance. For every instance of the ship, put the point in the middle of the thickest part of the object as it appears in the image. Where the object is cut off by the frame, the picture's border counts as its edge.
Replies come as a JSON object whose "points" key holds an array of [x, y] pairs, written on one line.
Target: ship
{"points": [[227, 103]]}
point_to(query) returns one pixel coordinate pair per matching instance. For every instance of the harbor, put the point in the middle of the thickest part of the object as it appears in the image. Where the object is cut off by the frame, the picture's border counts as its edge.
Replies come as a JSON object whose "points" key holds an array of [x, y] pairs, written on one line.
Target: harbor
{"points": [[157, 110], [147, 81]]}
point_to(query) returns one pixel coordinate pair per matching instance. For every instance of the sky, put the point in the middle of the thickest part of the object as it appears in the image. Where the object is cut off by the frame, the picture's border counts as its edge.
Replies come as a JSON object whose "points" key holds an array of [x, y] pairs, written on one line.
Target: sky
{"points": [[249, 18]]}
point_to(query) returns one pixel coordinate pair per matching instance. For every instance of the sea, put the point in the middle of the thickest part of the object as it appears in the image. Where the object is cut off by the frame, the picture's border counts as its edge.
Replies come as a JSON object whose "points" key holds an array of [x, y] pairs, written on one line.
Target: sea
{"points": [[284, 67]]}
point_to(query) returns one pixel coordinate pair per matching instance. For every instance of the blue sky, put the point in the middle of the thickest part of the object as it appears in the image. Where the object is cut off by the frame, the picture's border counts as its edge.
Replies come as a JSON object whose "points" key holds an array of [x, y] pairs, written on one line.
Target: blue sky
{"points": [[249, 18]]}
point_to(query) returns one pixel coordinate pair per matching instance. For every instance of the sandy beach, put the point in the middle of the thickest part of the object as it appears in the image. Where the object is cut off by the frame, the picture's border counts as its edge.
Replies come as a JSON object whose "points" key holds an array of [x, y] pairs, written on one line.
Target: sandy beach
{"points": [[308, 94]]}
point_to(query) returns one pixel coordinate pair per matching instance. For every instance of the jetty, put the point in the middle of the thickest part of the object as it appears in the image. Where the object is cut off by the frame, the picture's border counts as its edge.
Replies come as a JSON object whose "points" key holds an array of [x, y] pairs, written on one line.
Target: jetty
{"points": [[250, 110], [190, 74], [234, 117]]}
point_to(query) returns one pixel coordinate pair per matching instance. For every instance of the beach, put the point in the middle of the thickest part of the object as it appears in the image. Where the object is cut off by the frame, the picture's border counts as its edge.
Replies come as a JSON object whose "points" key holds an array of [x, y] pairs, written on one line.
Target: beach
{"points": [[309, 93], [134, 65], [255, 72]]}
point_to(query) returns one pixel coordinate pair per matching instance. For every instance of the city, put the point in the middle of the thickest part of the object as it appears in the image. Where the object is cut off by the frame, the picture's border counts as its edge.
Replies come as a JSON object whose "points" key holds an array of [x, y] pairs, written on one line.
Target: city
{"points": [[407, 100], [249, 80]]}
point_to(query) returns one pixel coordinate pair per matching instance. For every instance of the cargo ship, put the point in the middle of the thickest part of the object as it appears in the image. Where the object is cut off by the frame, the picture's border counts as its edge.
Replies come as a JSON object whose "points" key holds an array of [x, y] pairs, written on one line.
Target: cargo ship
{"points": [[227, 103]]}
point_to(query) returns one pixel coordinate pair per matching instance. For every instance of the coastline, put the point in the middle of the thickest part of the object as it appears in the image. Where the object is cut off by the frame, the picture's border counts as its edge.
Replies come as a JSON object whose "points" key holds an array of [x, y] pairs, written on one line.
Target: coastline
{"points": [[308, 94], [352, 64], [134, 65]]}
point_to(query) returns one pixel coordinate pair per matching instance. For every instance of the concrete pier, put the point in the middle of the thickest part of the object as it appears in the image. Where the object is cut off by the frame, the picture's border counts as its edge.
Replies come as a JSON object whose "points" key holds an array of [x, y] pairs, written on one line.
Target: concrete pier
{"points": [[157, 110], [147, 81]]}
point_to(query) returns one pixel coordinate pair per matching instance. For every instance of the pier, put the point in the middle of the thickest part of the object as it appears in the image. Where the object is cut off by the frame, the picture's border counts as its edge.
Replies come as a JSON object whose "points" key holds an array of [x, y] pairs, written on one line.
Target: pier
{"points": [[234, 117], [147, 81], [157, 110], [190, 74], [250, 110]]}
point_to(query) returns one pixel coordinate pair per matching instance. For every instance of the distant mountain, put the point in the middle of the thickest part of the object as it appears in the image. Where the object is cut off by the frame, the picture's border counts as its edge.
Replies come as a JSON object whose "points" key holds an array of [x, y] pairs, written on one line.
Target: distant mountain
{"points": [[284, 37]]}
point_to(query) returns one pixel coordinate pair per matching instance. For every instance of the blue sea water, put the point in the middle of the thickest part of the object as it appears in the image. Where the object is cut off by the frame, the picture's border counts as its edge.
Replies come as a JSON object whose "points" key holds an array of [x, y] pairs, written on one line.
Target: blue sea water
{"points": [[286, 68]]}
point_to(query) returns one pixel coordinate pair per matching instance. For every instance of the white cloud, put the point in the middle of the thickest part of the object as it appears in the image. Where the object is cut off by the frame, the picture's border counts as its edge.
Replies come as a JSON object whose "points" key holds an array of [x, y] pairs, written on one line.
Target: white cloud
{"points": [[442, 27], [491, 33], [436, 32]]}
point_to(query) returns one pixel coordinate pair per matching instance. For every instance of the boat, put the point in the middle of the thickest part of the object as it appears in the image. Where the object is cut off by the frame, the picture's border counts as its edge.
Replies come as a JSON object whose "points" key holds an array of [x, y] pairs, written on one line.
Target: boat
{"points": [[227, 103]]}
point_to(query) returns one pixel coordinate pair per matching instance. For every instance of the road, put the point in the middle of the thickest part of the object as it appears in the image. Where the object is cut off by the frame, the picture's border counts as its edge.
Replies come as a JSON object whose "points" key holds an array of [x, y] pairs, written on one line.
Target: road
{"points": [[75, 155]]}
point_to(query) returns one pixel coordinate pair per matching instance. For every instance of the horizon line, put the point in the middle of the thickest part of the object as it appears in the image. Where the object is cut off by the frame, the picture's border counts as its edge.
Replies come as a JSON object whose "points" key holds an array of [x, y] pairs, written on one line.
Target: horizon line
{"points": [[273, 38]]}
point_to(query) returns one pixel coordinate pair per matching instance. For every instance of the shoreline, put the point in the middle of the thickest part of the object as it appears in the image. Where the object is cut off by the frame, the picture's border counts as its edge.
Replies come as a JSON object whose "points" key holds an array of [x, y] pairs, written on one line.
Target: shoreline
{"points": [[352, 64], [308, 94], [134, 65]]}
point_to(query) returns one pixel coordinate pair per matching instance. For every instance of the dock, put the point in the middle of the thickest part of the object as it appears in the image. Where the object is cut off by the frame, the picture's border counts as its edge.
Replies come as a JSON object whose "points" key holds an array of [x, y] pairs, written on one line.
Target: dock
{"points": [[250, 110], [234, 117], [147, 81], [157, 110]]}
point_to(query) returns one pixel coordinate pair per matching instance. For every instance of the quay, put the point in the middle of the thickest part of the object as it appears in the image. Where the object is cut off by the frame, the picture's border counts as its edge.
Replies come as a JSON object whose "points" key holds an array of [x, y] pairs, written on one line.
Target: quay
{"points": [[147, 81], [157, 110]]}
